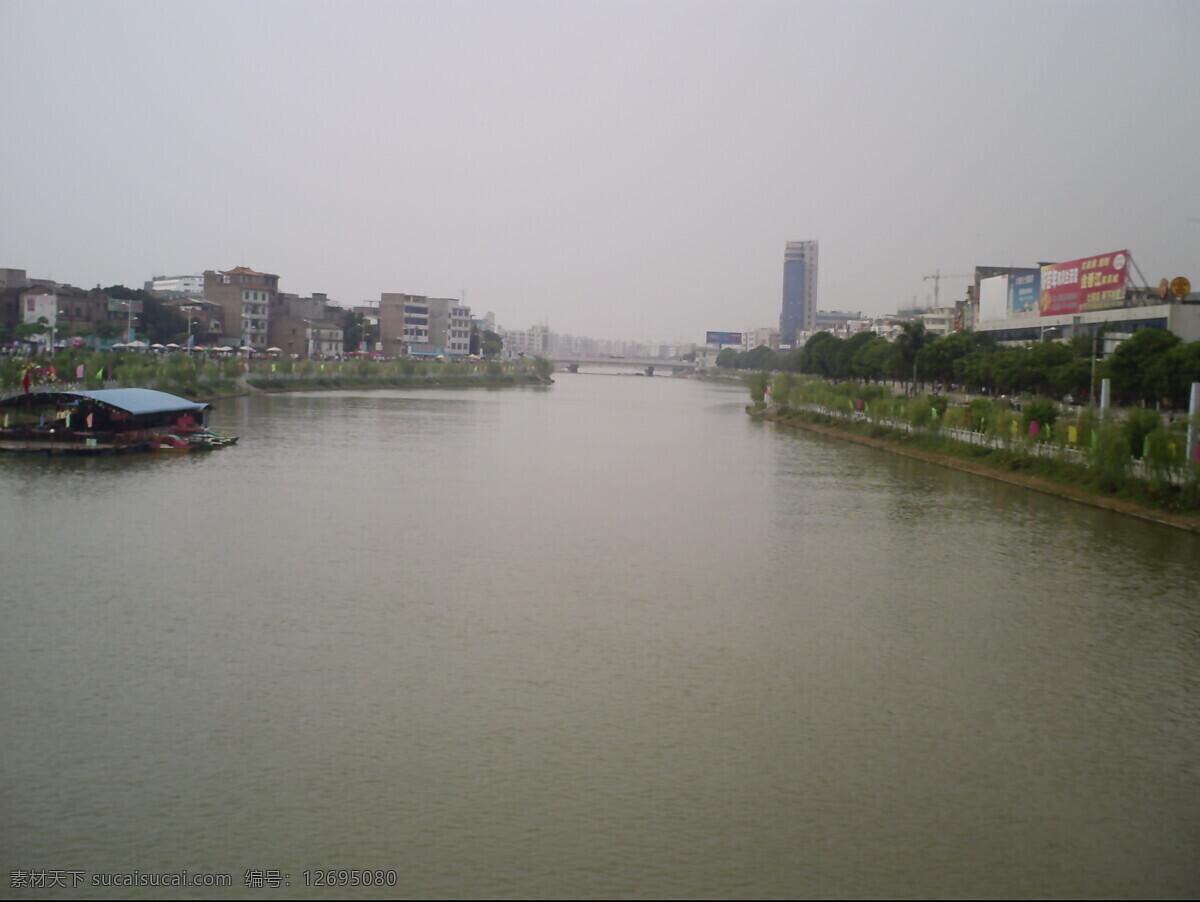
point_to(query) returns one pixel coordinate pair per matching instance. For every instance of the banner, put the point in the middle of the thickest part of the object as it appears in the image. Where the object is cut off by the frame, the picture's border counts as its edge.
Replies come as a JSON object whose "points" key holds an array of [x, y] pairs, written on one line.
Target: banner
{"points": [[1092, 283], [723, 338], [1023, 290]]}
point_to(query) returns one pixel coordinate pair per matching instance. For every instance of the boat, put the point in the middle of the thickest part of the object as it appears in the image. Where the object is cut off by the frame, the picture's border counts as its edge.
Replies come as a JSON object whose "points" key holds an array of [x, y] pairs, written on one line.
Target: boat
{"points": [[108, 421]]}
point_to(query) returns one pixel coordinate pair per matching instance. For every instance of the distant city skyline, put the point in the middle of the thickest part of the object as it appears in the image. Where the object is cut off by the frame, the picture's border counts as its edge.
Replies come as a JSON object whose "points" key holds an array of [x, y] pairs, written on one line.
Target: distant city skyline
{"points": [[613, 170]]}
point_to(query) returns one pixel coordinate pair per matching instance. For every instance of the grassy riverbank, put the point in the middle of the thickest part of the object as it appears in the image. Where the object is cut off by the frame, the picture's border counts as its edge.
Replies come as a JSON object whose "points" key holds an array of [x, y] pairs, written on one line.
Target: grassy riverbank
{"points": [[202, 378], [1086, 462]]}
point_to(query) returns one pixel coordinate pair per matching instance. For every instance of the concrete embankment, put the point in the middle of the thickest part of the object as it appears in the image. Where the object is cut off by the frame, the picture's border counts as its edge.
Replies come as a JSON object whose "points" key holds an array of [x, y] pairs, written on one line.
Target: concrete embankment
{"points": [[1037, 483]]}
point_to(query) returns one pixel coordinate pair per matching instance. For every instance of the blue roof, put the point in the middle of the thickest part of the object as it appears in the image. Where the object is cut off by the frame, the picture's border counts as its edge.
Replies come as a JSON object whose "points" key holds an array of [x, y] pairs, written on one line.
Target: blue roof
{"points": [[141, 401]]}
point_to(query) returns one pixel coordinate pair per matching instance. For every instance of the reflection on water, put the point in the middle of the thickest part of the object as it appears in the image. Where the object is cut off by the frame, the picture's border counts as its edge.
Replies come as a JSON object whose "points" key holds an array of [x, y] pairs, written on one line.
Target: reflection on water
{"points": [[607, 638]]}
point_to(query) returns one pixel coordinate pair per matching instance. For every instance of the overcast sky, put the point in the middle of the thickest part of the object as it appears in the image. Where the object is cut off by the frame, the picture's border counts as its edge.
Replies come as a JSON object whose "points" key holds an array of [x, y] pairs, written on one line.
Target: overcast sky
{"points": [[613, 169]]}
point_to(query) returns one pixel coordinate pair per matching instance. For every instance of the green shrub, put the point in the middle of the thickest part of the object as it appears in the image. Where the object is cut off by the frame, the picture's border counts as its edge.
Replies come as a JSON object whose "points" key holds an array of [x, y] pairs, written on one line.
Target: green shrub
{"points": [[1139, 423]]}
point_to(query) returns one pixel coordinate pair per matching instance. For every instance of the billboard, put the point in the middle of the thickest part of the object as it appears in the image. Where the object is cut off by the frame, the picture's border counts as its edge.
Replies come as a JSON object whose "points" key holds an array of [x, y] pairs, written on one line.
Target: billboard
{"points": [[723, 338], [993, 299], [1024, 290], [1091, 283]]}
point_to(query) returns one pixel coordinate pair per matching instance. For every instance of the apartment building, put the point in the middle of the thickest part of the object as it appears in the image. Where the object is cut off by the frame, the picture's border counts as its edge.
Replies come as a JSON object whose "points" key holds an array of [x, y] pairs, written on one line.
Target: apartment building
{"points": [[415, 325], [245, 296]]}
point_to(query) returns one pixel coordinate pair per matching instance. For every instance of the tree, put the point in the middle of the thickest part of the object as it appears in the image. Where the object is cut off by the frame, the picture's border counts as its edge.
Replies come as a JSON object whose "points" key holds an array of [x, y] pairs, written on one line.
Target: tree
{"points": [[911, 339], [727, 359], [936, 359], [492, 345], [28, 331], [869, 362], [761, 358], [356, 329], [1137, 367]]}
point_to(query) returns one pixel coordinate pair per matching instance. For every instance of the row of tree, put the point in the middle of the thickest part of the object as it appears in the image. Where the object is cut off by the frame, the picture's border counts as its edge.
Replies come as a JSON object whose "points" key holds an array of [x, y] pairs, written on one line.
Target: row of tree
{"points": [[1152, 367]]}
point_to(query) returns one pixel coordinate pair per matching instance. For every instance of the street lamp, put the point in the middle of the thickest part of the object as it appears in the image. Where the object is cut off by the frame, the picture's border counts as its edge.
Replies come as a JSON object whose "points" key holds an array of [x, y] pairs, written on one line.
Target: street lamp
{"points": [[190, 309], [129, 322]]}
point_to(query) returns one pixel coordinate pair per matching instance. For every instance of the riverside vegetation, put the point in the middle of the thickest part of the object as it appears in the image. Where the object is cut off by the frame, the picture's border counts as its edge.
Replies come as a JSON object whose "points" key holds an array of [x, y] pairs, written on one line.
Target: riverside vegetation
{"points": [[1133, 455], [197, 377]]}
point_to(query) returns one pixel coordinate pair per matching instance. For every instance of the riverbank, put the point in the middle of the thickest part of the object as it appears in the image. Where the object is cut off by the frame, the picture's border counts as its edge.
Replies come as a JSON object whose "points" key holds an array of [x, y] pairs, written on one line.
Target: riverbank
{"points": [[260, 386], [1038, 483]]}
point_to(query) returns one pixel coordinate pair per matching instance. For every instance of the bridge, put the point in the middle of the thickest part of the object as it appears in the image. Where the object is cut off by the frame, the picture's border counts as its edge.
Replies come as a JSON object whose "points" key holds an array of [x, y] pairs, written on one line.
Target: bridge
{"points": [[607, 364]]}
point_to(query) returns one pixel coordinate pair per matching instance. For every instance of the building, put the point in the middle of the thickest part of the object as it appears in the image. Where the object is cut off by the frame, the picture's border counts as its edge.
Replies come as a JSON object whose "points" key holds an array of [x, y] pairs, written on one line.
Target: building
{"points": [[308, 328], [203, 319], [13, 278], [1079, 297], [245, 296], [757, 338], [176, 286], [799, 313], [419, 326], [531, 342]]}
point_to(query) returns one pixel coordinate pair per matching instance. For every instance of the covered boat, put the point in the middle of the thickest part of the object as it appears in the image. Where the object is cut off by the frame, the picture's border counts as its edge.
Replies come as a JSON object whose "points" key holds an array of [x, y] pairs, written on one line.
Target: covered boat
{"points": [[110, 421]]}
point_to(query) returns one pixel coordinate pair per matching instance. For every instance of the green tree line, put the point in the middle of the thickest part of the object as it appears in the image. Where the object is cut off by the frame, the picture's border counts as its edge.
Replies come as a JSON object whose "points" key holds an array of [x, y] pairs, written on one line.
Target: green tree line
{"points": [[1152, 367]]}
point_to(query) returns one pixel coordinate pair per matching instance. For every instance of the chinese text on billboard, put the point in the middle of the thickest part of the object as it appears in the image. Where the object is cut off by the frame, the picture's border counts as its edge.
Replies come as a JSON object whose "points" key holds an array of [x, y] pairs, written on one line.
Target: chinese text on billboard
{"points": [[1093, 283]]}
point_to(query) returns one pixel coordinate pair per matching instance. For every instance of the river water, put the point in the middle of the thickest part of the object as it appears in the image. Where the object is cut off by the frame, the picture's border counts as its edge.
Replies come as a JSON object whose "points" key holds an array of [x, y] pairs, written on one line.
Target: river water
{"points": [[610, 638]]}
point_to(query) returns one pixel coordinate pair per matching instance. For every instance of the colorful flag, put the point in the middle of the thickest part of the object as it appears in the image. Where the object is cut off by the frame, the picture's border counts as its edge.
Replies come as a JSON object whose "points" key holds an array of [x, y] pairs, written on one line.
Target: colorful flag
{"points": [[79, 371], [1072, 435]]}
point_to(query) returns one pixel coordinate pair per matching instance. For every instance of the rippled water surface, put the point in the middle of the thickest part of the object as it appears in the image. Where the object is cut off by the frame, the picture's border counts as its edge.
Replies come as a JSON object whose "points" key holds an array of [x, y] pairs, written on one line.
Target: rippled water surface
{"points": [[610, 638]]}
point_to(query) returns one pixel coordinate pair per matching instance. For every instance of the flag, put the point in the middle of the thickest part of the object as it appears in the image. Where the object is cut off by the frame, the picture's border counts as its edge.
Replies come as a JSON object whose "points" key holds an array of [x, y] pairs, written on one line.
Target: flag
{"points": [[26, 381], [1072, 435], [100, 373], [1033, 428], [79, 371]]}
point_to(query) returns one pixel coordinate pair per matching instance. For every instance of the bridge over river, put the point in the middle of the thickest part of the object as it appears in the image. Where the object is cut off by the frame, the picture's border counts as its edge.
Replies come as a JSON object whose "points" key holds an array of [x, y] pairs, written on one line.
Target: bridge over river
{"points": [[607, 364]]}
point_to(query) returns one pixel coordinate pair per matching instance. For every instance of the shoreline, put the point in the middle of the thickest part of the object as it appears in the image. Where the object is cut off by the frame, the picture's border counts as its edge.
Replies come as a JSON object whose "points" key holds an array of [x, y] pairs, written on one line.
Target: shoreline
{"points": [[245, 389], [1037, 483]]}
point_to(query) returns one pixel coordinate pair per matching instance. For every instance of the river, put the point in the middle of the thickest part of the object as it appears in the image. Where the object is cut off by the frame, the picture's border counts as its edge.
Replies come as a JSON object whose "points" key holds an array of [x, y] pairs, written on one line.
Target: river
{"points": [[609, 638]]}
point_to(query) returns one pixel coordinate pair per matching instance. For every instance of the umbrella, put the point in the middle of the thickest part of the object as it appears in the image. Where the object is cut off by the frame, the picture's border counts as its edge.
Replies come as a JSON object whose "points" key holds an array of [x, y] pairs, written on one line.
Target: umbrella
{"points": [[138, 344], [274, 350], [172, 345]]}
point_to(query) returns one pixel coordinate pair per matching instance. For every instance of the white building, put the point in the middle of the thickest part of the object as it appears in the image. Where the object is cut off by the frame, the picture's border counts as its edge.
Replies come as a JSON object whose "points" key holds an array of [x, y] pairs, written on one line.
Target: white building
{"points": [[177, 286]]}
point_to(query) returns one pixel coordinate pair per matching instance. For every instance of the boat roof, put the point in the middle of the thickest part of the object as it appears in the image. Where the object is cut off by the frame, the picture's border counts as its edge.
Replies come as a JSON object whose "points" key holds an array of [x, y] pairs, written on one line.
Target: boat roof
{"points": [[137, 401]]}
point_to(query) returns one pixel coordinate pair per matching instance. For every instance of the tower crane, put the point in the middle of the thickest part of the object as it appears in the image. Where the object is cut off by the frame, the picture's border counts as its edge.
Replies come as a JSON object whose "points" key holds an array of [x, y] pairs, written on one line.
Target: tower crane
{"points": [[937, 277]]}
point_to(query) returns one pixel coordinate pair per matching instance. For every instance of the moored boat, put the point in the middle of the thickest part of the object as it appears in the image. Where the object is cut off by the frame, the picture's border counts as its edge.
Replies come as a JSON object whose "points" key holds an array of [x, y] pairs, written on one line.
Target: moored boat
{"points": [[111, 421]]}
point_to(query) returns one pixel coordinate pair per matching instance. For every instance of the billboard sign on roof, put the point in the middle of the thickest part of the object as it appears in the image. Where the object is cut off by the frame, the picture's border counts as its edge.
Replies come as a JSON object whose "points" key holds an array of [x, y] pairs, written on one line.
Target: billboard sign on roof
{"points": [[1091, 283], [723, 338]]}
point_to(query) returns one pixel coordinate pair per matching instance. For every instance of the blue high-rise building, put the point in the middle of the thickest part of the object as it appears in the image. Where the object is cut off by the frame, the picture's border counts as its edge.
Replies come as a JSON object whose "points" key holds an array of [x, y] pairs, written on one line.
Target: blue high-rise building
{"points": [[799, 313]]}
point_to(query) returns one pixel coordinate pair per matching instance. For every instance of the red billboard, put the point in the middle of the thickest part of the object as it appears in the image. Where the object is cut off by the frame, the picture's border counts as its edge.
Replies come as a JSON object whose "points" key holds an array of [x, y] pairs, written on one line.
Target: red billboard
{"points": [[1093, 283]]}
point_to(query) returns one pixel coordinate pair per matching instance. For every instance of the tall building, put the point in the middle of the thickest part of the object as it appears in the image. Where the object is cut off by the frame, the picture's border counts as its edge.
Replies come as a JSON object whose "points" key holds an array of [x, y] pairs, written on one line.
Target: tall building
{"points": [[245, 296], [423, 327], [799, 313]]}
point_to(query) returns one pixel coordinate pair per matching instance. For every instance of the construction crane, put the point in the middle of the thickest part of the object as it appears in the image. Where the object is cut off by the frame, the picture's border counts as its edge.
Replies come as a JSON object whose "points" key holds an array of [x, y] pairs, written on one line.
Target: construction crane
{"points": [[937, 277]]}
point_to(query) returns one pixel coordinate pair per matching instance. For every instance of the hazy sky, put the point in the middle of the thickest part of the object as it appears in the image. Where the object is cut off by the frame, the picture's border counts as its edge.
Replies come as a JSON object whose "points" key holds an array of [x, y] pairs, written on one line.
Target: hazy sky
{"points": [[614, 169]]}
